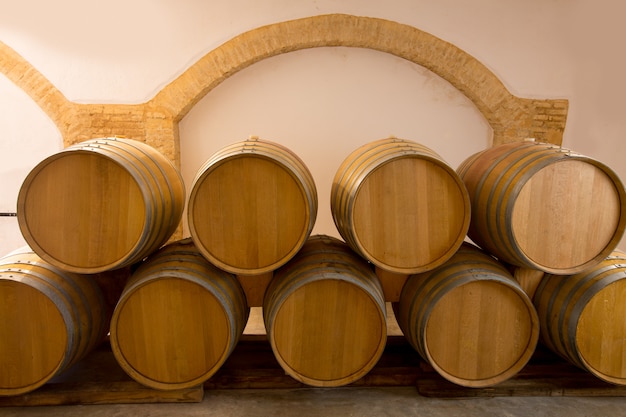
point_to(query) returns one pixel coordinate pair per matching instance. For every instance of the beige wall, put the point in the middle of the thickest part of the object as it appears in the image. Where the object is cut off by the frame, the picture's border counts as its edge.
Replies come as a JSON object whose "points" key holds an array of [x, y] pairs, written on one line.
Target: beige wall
{"points": [[321, 102]]}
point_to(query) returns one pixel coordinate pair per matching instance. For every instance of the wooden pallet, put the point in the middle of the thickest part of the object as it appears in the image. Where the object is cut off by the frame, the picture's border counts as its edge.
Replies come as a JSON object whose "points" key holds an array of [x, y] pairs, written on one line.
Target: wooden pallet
{"points": [[98, 379]]}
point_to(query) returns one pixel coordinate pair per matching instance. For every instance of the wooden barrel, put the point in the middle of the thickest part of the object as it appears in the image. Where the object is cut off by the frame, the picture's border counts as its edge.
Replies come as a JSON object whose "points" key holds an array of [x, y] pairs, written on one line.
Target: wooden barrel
{"points": [[100, 204], [583, 317], [539, 206], [325, 315], [469, 319], [252, 206], [399, 205], [178, 319], [50, 320]]}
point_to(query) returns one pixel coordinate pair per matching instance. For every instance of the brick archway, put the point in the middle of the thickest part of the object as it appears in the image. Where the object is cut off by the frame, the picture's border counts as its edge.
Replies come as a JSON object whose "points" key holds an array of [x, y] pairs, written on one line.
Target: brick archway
{"points": [[156, 121], [512, 118], [33, 83]]}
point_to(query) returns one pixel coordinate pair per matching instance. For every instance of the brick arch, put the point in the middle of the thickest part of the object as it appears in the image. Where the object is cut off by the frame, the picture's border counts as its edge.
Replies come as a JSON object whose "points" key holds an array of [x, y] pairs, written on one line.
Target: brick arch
{"points": [[512, 118], [156, 121], [53, 103]]}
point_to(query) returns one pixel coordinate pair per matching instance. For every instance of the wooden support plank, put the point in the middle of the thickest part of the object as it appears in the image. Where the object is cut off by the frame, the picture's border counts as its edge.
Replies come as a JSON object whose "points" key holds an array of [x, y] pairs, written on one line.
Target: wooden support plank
{"points": [[100, 392]]}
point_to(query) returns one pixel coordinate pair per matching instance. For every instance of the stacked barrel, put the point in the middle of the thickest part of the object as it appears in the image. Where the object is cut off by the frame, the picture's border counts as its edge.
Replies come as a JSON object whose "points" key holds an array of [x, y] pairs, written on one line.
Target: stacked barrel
{"points": [[559, 215], [99, 218], [88, 213], [401, 207]]}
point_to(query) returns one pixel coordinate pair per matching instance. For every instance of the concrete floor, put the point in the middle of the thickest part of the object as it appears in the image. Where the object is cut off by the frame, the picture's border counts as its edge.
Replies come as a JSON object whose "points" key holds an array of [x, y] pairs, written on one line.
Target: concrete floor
{"points": [[343, 402]]}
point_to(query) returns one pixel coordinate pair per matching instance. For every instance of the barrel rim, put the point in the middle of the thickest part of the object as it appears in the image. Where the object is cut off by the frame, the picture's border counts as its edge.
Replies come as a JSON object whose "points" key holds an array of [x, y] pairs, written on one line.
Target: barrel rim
{"points": [[233, 327], [593, 369], [346, 379], [143, 377], [516, 366], [486, 230], [166, 177], [462, 232], [611, 244], [469, 262], [302, 179], [62, 360], [78, 151], [31, 238], [561, 301]]}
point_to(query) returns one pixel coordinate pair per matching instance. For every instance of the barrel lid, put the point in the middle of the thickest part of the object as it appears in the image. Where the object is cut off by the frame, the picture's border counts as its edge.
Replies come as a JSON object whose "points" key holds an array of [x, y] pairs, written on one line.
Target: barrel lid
{"points": [[569, 215], [249, 212], [82, 212], [170, 333], [410, 214], [328, 332], [481, 333], [600, 332], [33, 334]]}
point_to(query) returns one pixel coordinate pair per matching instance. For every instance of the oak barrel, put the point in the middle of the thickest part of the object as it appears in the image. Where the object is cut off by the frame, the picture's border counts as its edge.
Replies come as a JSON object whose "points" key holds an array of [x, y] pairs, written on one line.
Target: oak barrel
{"points": [[325, 315], [178, 319], [50, 320], [469, 319], [399, 205], [540, 206], [100, 204], [252, 206], [583, 317]]}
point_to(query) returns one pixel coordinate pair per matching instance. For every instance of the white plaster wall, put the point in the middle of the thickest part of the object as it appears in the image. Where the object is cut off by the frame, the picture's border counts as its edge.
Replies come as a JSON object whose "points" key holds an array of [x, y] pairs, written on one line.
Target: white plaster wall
{"points": [[123, 51], [323, 103], [28, 136]]}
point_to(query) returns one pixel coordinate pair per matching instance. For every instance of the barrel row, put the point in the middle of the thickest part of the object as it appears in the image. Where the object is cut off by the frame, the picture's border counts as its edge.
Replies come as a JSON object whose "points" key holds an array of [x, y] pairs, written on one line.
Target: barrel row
{"points": [[178, 318], [251, 207], [108, 203]]}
